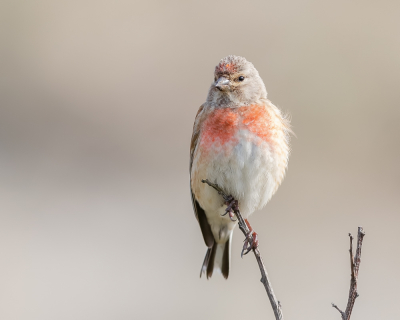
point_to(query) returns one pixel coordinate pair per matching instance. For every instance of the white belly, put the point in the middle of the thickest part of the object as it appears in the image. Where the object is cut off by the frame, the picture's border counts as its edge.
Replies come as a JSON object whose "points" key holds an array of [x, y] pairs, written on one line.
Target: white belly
{"points": [[246, 168]]}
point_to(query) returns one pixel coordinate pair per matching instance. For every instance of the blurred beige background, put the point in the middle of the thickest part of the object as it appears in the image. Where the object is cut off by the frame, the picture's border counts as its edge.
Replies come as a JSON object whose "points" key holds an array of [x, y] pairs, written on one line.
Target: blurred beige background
{"points": [[97, 102]]}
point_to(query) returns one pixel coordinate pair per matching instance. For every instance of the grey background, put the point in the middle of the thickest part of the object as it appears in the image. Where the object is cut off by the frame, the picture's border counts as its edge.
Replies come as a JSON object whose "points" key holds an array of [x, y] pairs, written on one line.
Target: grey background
{"points": [[97, 102]]}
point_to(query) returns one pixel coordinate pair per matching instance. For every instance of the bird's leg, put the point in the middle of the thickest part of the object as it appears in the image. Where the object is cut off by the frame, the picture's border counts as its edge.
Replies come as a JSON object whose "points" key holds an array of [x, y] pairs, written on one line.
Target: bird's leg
{"points": [[231, 207], [251, 241]]}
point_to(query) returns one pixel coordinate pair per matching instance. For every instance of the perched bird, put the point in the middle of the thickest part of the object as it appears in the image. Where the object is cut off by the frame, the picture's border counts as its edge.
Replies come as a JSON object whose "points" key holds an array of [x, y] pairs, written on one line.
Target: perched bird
{"points": [[240, 141]]}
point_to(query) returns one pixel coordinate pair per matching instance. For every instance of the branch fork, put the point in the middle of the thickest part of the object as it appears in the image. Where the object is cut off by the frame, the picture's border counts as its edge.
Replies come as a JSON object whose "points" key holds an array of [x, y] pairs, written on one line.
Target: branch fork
{"points": [[276, 305], [355, 261]]}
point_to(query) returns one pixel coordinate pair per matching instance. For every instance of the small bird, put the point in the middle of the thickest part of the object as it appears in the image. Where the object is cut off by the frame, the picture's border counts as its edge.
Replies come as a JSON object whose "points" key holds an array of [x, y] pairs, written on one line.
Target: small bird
{"points": [[240, 141]]}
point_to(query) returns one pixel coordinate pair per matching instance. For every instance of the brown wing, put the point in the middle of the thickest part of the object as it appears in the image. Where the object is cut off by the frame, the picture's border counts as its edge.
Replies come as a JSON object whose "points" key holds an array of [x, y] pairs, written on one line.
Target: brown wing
{"points": [[195, 135], [199, 212], [203, 222]]}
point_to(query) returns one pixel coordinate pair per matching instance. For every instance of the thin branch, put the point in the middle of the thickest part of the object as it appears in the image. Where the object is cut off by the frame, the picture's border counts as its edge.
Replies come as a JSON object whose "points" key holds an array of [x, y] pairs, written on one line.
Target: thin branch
{"points": [[351, 256], [276, 306], [355, 266], [337, 308]]}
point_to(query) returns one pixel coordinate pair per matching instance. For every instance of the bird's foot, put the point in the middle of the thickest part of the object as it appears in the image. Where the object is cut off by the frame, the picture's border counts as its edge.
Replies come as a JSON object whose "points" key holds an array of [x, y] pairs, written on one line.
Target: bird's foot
{"points": [[251, 241], [231, 206]]}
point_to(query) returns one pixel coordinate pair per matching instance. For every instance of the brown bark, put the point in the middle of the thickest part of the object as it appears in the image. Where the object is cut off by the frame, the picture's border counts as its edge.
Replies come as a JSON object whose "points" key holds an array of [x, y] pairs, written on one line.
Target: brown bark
{"points": [[354, 266], [276, 306]]}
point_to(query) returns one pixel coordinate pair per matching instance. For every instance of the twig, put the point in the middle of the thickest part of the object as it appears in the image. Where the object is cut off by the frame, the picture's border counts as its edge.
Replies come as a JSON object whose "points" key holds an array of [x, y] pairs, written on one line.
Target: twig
{"points": [[355, 266], [276, 306]]}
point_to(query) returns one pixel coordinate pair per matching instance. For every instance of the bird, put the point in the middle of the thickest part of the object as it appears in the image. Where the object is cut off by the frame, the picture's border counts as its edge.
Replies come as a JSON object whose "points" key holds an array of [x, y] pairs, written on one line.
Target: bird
{"points": [[240, 142]]}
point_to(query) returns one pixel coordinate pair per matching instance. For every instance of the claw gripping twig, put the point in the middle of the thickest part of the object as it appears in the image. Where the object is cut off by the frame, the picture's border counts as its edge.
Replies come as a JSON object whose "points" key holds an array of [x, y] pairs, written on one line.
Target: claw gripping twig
{"points": [[276, 306]]}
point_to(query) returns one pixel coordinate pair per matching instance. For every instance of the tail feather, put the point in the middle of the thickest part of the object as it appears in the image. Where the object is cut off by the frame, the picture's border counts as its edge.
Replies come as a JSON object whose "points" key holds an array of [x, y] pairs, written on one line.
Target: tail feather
{"points": [[211, 260], [226, 257], [217, 257], [205, 262]]}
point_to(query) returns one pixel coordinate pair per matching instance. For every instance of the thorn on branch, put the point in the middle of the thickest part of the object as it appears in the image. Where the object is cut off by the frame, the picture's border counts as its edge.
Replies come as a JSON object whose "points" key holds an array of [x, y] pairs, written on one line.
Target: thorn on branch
{"points": [[337, 308]]}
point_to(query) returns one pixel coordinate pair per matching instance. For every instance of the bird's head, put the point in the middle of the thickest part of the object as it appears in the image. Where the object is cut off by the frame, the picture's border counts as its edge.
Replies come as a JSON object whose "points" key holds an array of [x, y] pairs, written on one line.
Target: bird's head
{"points": [[236, 81]]}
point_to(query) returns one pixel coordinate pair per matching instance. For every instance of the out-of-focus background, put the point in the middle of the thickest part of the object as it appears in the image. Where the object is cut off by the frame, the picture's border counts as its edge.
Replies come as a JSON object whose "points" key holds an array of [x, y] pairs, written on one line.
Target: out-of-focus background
{"points": [[97, 102]]}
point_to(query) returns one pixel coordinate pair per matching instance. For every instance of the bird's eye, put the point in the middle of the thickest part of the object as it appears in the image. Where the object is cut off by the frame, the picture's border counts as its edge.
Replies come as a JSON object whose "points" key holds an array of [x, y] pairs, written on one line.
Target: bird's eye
{"points": [[241, 78]]}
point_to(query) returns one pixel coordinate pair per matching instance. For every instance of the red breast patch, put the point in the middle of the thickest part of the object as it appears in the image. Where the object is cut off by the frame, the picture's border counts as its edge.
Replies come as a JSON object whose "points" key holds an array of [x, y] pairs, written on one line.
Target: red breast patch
{"points": [[222, 125], [257, 120]]}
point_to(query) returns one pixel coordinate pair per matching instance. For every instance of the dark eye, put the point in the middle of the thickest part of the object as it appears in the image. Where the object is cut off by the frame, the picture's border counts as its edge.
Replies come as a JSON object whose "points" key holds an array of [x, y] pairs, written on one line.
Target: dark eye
{"points": [[241, 78]]}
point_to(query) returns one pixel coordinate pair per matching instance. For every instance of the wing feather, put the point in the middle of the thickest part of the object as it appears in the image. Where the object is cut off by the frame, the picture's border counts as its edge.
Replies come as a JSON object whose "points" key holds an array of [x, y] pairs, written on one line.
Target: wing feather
{"points": [[198, 210]]}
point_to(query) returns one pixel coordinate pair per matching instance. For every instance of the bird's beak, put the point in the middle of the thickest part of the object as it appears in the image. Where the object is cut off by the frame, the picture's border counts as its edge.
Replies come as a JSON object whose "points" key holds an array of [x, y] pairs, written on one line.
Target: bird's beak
{"points": [[222, 83]]}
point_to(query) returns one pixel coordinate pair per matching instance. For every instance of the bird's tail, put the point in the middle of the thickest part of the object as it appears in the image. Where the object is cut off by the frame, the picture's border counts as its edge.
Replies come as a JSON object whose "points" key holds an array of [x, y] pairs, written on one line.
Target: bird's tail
{"points": [[217, 258]]}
